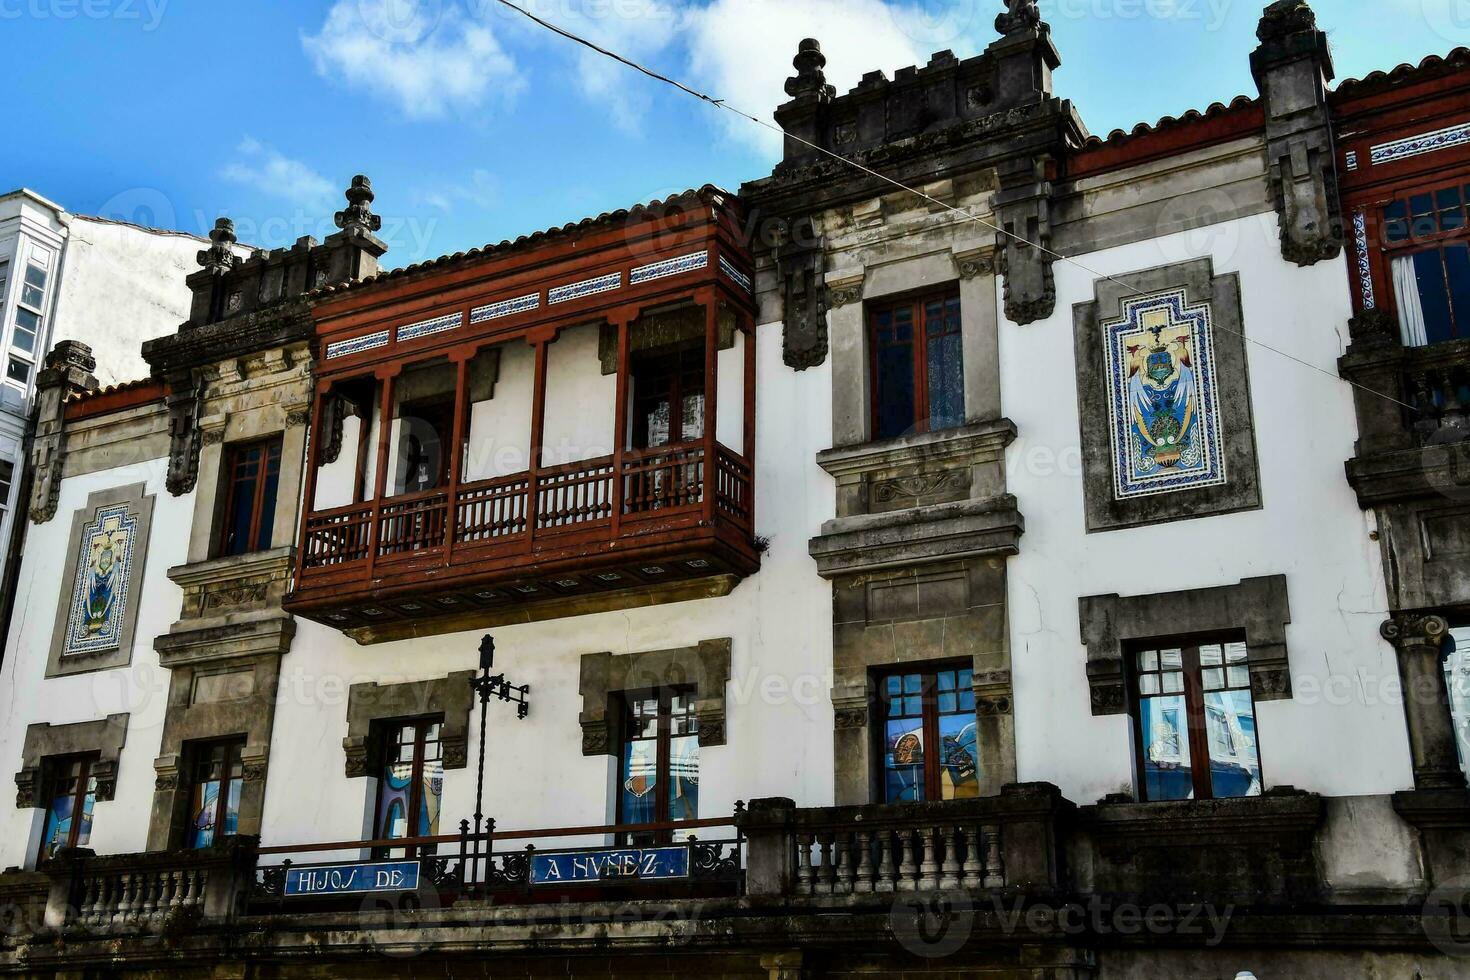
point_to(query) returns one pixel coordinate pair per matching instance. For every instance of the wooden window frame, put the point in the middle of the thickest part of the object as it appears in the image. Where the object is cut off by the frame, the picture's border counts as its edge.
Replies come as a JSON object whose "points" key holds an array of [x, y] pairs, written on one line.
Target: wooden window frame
{"points": [[929, 715], [654, 365], [199, 753], [1197, 734], [54, 765], [919, 344], [1435, 241], [233, 455], [664, 738], [386, 734]]}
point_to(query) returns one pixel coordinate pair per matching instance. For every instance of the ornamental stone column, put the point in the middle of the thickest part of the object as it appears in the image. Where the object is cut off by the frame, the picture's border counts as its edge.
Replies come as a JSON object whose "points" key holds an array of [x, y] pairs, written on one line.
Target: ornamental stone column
{"points": [[1419, 640]]}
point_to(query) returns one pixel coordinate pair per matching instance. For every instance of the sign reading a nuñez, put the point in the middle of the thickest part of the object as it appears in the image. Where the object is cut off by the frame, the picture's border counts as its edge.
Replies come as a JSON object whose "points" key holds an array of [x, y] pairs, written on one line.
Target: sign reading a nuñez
{"points": [[349, 879], [625, 864]]}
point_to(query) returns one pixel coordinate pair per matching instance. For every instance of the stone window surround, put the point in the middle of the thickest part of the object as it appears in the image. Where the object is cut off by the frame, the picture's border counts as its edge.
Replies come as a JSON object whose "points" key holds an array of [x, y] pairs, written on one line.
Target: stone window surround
{"points": [[849, 289], [141, 503], [1257, 606], [1242, 490], [370, 704], [103, 738], [705, 666]]}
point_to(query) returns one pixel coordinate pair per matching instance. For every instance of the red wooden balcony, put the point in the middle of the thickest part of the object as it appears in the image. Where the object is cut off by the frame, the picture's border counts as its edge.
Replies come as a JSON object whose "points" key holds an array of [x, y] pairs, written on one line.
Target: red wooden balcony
{"points": [[561, 459]]}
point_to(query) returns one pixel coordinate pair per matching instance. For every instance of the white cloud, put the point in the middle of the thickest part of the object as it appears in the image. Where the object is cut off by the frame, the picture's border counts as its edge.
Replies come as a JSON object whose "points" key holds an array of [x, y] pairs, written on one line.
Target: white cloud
{"points": [[741, 50], [263, 168], [481, 190], [421, 56]]}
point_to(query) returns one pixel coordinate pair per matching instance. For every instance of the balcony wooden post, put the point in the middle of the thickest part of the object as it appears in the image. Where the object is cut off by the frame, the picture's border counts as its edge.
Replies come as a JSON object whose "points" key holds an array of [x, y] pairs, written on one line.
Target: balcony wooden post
{"points": [[748, 429], [623, 323], [540, 340], [380, 476], [710, 477], [461, 361], [313, 457]]}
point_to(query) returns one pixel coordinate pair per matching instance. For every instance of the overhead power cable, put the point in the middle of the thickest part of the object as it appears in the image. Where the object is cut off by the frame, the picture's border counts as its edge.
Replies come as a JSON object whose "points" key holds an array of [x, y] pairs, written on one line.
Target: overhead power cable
{"points": [[965, 215]]}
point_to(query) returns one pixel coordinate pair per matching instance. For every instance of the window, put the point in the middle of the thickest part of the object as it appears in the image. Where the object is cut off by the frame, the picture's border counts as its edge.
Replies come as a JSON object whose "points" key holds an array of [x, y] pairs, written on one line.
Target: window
{"points": [[917, 369], [1427, 243], [659, 773], [18, 370], [668, 396], [214, 799], [411, 785], [29, 310], [1457, 683], [7, 481], [252, 473], [1193, 703], [71, 792], [921, 711]]}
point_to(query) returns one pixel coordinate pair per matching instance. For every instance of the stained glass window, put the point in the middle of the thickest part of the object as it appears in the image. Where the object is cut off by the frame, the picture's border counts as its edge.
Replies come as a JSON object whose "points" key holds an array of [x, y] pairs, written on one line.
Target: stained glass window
{"points": [[1196, 722], [72, 792], [411, 783], [214, 801], [930, 750], [918, 375], [659, 772]]}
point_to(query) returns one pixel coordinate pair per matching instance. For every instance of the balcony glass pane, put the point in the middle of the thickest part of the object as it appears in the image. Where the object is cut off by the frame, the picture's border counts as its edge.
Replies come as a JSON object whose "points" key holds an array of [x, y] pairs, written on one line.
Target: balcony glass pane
{"points": [[1434, 297], [1167, 770], [640, 780], [893, 364], [959, 762], [903, 761], [684, 777], [945, 368], [1457, 273], [1230, 728]]}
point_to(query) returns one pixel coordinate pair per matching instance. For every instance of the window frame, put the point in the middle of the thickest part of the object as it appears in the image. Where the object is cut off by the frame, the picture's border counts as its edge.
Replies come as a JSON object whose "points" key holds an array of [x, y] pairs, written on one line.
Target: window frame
{"points": [[663, 777], [52, 776], [929, 715], [1197, 732], [199, 754], [666, 372], [1413, 244], [384, 736], [919, 347], [232, 460]]}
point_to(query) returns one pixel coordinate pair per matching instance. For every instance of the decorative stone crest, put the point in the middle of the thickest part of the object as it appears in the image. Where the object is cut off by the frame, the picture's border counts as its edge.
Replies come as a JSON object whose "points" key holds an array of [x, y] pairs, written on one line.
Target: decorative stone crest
{"points": [[184, 436], [358, 218], [804, 298], [220, 258], [1019, 15], [67, 372], [809, 82]]}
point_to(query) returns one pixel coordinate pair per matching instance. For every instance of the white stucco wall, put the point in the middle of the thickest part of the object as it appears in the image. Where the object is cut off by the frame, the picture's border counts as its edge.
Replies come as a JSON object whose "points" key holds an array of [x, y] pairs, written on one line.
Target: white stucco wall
{"points": [[581, 401], [500, 428], [141, 689], [122, 285], [1343, 732]]}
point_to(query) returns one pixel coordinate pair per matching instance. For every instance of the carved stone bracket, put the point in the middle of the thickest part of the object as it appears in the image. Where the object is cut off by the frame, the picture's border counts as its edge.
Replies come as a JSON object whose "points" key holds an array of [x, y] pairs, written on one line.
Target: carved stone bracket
{"points": [[798, 254], [1023, 245], [845, 290], [185, 438], [704, 667], [68, 372], [975, 262], [1256, 606]]}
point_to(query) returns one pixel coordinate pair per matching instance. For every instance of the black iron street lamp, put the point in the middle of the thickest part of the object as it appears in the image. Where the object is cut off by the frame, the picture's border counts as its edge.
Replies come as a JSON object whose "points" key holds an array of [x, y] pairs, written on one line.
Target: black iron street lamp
{"points": [[486, 687]]}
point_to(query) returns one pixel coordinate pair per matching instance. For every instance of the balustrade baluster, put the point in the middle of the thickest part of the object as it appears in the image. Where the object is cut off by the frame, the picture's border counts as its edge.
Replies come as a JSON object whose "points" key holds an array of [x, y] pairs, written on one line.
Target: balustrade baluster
{"points": [[929, 868], [147, 894], [908, 864], [842, 863], [827, 878], [804, 874], [995, 876], [887, 870], [863, 877], [90, 899], [973, 872], [950, 877]]}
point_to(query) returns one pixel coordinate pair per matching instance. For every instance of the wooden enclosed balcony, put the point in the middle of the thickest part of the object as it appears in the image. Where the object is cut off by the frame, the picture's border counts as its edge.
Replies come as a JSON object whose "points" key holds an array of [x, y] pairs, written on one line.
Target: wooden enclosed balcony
{"points": [[475, 466]]}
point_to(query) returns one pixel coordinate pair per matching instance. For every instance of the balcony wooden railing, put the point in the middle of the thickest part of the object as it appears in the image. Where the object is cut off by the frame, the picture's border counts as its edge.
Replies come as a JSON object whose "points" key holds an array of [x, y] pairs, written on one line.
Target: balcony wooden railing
{"points": [[510, 513]]}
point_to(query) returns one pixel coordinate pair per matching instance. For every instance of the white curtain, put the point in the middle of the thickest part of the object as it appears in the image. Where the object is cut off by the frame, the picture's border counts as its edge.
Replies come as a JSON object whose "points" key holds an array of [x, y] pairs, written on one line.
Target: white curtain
{"points": [[1411, 311]]}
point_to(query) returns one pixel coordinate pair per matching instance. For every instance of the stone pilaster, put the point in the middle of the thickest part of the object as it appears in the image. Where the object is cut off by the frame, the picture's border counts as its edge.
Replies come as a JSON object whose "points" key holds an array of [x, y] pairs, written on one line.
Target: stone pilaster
{"points": [[1419, 640]]}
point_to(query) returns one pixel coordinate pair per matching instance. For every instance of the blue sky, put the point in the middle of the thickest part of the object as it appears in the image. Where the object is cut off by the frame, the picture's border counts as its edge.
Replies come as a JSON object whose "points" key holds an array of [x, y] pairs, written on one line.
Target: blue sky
{"points": [[475, 126]]}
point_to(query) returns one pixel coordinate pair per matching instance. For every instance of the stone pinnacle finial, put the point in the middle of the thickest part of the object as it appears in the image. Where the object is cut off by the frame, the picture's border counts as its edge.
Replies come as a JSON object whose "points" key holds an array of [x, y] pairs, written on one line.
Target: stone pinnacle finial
{"points": [[219, 258], [809, 80], [358, 217], [1284, 18], [1020, 15], [71, 354]]}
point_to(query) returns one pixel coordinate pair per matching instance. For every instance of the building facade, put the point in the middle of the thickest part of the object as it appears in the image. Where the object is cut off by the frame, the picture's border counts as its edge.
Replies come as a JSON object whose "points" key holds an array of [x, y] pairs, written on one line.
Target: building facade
{"points": [[980, 568], [109, 284]]}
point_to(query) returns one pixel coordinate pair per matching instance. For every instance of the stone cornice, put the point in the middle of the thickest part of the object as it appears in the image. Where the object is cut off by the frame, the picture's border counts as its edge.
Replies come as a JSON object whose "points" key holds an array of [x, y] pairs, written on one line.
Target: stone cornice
{"points": [[973, 442], [939, 532]]}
